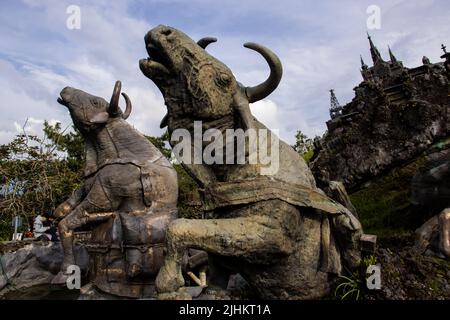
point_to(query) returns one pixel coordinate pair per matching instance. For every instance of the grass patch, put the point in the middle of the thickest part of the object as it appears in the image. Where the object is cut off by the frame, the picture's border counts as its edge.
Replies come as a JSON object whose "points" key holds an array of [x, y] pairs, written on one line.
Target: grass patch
{"points": [[189, 200], [384, 206]]}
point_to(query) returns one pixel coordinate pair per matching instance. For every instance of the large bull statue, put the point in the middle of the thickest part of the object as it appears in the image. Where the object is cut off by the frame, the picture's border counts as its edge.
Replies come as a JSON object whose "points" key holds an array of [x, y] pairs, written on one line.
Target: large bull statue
{"points": [[129, 196], [278, 230]]}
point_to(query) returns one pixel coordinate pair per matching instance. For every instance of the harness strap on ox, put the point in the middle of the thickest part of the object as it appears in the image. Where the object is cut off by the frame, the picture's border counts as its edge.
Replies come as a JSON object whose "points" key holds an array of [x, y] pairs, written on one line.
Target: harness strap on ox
{"points": [[223, 194]]}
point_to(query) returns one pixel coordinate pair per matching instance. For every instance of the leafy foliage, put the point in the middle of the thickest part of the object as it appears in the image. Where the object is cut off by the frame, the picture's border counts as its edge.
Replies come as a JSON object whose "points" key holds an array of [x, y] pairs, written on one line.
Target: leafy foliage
{"points": [[349, 287], [353, 286], [302, 143], [304, 146], [37, 174]]}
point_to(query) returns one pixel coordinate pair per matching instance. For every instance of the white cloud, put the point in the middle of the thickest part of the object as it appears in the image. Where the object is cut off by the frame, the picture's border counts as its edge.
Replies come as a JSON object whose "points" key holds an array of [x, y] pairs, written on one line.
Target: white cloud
{"points": [[32, 126], [267, 112], [318, 42], [25, 96], [6, 136]]}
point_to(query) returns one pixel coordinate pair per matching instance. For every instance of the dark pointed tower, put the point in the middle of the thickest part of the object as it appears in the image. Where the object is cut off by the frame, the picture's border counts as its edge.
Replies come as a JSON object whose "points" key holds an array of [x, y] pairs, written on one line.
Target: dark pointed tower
{"points": [[376, 56], [363, 65], [364, 70], [335, 107], [444, 48], [391, 56], [446, 56]]}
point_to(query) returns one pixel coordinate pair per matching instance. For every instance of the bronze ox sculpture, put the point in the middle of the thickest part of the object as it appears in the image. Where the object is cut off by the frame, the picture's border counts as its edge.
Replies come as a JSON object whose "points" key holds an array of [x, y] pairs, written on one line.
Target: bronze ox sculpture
{"points": [[129, 196], [279, 231]]}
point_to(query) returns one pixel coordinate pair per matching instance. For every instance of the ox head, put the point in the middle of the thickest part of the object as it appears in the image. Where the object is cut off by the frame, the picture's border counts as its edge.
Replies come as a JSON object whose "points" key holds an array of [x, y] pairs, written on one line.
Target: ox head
{"points": [[89, 112], [195, 84]]}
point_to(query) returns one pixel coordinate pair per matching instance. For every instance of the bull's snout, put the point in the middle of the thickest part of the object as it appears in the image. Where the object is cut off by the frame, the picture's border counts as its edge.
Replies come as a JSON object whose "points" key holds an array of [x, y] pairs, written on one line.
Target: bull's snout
{"points": [[162, 30], [65, 95], [157, 33]]}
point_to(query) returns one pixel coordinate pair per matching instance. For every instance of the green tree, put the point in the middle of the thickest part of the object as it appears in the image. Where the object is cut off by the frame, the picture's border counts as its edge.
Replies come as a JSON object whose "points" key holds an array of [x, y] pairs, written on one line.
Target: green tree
{"points": [[37, 174], [302, 142], [70, 143], [304, 145]]}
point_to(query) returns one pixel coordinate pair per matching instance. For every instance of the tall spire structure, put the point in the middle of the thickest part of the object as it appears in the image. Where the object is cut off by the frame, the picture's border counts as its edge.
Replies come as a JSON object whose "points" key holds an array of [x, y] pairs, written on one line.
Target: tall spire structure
{"points": [[335, 107], [376, 56], [446, 54], [363, 65], [391, 56]]}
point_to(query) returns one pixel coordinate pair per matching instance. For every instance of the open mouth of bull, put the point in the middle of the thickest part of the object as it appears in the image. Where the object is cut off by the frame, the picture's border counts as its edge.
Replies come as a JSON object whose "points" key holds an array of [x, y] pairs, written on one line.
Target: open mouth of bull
{"points": [[155, 55], [156, 65], [60, 100]]}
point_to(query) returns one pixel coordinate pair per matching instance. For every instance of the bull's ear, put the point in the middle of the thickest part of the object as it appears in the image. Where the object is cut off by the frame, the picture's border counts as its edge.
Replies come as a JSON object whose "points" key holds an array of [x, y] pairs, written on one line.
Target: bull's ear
{"points": [[101, 117], [164, 121], [241, 106]]}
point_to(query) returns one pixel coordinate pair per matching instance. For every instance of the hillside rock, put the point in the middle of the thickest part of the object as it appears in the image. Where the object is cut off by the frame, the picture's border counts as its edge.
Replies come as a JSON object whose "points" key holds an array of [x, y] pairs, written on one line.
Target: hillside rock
{"points": [[397, 114], [407, 274]]}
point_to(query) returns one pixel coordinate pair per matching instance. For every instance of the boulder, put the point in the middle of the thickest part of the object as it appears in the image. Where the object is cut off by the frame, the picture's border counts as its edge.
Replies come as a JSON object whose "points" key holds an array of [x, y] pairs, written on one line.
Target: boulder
{"points": [[28, 272], [433, 237]]}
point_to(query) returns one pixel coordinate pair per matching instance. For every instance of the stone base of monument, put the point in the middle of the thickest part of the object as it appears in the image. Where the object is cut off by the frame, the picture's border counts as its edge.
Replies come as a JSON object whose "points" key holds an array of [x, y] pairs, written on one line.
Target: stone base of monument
{"points": [[28, 270], [90, 292]]}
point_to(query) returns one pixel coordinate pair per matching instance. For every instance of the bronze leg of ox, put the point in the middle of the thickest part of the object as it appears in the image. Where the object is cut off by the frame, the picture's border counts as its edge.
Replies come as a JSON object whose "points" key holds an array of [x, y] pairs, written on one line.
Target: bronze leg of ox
{"points": [[95, 201], [99, 205], [266, 244]]}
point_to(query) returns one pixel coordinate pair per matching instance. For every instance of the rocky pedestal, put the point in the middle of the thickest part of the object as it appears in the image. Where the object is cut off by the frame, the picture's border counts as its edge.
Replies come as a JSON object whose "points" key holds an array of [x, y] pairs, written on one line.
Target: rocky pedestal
{"points": [[28, 270]]}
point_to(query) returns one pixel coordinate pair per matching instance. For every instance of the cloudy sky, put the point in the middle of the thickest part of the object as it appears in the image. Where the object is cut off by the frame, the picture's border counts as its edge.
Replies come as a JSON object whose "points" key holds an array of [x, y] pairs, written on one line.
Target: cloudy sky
{"points": [[318, 42]]}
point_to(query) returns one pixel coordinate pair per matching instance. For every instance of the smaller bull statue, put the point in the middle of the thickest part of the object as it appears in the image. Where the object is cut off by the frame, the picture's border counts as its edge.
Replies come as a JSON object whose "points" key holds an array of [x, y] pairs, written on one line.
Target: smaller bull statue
{"points": [[129, 196]]}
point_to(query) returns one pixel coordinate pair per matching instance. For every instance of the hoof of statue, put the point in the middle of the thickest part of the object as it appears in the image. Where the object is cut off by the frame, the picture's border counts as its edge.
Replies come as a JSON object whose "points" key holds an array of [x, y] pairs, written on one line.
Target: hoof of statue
{"points": [[195, 292], [169, 278]]}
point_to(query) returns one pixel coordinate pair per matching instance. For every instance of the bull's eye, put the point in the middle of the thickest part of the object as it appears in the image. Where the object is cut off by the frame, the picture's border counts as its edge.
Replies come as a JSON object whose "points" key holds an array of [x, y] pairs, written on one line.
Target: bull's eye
{"points": [[95, 103], [223, 79]]}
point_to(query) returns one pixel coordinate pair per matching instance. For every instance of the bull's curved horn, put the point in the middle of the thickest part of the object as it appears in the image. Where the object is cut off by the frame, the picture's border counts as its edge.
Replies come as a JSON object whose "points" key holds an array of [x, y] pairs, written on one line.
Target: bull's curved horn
{"points": [[204, 42], [127, 112], [262, 90], [113, 109]]}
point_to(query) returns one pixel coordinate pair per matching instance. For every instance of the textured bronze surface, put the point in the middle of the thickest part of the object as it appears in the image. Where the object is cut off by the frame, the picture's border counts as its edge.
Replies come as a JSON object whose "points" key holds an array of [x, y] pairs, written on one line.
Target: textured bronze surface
{"points": [[280, 232]]}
